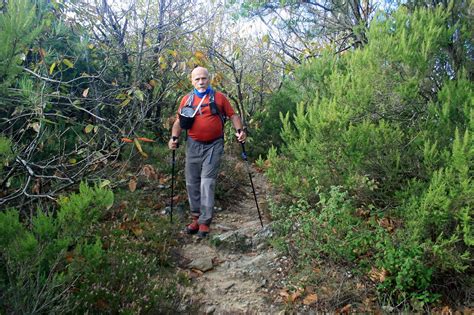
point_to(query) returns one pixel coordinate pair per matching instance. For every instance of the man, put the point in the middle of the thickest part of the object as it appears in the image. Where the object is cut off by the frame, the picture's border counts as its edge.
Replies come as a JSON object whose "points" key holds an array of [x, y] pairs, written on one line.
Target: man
{"points": [[204, 147]]}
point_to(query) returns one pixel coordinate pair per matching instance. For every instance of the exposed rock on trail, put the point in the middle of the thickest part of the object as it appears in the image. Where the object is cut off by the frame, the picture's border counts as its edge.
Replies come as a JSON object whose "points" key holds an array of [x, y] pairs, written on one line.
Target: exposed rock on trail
{"points": [[232, 270]]}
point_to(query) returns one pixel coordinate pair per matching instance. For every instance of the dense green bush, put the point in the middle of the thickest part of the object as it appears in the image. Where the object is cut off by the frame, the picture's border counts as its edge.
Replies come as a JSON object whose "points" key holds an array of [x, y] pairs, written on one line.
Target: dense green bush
{"points": [[391, 126], [35, 277], [74, 261]]}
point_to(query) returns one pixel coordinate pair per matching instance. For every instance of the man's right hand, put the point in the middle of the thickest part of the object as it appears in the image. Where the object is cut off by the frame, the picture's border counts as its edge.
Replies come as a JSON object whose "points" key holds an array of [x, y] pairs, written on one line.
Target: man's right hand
{"points": [[173, 144]]}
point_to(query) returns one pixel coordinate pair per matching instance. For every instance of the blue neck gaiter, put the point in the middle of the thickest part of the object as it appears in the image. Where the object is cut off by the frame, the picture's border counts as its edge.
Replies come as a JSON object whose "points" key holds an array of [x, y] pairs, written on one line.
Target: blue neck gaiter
{"points": [[201, 95]]}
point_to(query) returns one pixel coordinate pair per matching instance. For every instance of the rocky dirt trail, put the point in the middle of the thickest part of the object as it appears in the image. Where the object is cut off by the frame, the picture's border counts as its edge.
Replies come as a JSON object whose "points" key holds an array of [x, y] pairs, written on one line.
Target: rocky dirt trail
{"points": [[234, 270]]}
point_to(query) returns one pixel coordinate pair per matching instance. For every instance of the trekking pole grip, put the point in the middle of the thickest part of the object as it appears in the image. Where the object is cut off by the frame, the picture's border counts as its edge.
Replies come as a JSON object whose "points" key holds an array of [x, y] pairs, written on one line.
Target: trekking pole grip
{"points": [[244, 154], [174, 139]]}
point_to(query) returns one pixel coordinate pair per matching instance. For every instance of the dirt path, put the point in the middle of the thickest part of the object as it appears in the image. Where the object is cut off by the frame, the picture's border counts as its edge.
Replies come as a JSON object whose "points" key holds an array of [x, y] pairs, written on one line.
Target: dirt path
{"points": [[233, 270]]}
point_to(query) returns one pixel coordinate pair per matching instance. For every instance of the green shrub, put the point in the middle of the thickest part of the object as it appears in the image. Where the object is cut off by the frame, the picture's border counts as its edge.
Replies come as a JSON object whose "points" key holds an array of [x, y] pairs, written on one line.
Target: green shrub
{"points": [[391, 126], [73, 261], [35, 277]]}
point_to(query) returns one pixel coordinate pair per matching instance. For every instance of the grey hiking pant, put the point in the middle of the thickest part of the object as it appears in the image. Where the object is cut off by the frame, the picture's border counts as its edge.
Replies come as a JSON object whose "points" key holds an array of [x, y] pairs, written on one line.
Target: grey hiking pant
{"points": [[202, 166]]}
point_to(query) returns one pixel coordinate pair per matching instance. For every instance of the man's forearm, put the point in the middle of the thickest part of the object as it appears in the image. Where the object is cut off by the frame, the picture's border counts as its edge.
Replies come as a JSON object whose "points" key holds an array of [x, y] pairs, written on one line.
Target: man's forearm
{"points": [[236, 122], [176, 129]]}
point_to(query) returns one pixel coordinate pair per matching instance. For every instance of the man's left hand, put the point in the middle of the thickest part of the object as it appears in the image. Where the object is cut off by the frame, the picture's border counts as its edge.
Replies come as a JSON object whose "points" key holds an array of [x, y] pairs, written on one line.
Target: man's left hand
{"points": [[241, 136]]}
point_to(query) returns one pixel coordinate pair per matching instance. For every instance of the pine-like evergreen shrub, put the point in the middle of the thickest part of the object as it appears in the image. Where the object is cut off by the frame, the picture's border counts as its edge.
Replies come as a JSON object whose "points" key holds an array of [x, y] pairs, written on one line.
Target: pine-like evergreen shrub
{"points": [[391, 125], [35, 276]]}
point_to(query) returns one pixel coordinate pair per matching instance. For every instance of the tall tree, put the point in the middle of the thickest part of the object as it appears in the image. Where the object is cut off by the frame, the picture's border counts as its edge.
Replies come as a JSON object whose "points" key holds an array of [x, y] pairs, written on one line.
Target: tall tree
{"points": [[299, 28]]}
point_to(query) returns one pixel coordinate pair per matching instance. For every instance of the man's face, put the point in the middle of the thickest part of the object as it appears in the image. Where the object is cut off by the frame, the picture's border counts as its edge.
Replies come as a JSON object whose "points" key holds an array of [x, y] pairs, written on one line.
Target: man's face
{"points": [[200, 79]]}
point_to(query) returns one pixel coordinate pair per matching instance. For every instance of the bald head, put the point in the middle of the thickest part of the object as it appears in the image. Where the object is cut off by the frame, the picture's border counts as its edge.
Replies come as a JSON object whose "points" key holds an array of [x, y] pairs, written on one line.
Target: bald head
{"points": [[200, 78]]}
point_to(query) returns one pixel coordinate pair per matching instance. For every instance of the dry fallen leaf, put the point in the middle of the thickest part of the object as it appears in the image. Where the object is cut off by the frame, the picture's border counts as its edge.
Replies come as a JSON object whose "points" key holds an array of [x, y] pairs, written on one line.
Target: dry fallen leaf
{"points": [[144, 139], [37, 186], [295, 295], [127, 140], [137, 230], [132, 184], [377, 275], [199, 272], [164, 180], [346, 309], [387, 223], [310, 299], [284, 293], [446, 311], [149, 172], [69, 257]]}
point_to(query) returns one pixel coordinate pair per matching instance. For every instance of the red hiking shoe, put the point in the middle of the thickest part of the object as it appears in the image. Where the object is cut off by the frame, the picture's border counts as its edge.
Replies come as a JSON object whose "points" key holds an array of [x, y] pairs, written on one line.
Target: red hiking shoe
{"points": [[203, 230], [193, 228]]}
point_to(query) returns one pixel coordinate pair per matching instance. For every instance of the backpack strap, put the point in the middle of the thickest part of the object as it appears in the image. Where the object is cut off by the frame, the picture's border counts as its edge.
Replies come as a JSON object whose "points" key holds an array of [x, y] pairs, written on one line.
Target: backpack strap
{"points": [[189, 103], [215, 109], [190, 100]]}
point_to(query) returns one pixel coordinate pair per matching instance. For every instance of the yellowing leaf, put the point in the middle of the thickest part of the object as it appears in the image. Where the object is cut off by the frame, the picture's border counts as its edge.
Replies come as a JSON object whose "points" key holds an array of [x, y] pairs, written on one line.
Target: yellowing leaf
{"points": [[139, 148], [72, 161], [125, 102], [85, 92], [265, 38], [51, 69], [68, 63], [88, 128], [152, 83], [132, 184], [162, 59], [199, 55], [96, 128], [90, 46], [173, 53]]}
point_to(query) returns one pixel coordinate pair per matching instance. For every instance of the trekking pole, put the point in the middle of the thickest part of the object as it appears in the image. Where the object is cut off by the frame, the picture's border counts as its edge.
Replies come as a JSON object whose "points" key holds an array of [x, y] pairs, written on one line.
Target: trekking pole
{"points": [[244, 156], [173, 162]]}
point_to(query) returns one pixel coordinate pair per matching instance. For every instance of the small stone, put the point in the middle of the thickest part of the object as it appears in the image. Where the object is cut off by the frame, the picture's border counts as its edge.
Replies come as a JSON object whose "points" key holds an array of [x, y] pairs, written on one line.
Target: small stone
{"points": [[388, 308], [204, 264], [228, 285], [210, 309], [166, 210]]}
